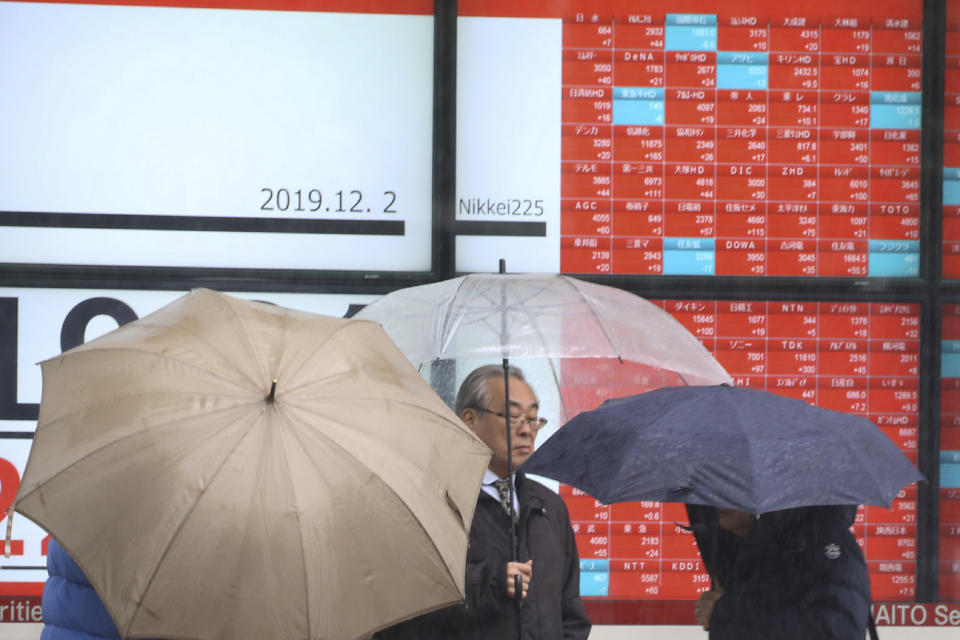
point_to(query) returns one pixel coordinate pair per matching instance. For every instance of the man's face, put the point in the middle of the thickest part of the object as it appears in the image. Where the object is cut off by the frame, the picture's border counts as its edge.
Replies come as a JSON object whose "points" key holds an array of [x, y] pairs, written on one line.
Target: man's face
{"points": [[490, 428]]}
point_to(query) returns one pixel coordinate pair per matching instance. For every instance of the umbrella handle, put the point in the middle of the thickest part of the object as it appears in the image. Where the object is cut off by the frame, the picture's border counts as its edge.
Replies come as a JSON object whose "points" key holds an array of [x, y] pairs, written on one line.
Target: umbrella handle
{"points": [[517, 591], [6, 542]]}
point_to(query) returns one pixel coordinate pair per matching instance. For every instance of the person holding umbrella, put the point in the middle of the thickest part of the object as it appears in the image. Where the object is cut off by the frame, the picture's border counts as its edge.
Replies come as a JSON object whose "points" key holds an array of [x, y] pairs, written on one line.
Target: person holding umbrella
{"points": [[225, 469], [791, 574], [795, 571], [546, 554]]}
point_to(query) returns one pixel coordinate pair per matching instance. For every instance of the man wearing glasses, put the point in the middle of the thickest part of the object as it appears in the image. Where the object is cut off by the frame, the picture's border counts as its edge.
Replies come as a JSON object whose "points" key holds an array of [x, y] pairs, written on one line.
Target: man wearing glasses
{"points": [[547, 563]]}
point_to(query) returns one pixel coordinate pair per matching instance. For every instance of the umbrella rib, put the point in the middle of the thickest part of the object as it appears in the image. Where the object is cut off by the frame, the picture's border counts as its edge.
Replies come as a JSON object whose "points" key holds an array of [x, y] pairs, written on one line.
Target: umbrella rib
{"points": [[447, 422], [59, 419], [537, 328], [201, 337], [224, 303], [168, 357], [351, 324], [447, 316], [520, 308], [303, 553], [127, 436], [750, 467], [595, 316], [621, 475], [520, 303], [556, 382], [492, 304], [383, 482], [534, 294], [871, 467], [528, 313], [491, 308], [189, 512]]}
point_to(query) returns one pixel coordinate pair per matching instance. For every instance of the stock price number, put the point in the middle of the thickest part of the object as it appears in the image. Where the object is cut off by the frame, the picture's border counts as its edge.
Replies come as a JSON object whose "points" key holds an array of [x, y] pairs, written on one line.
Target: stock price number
{"points": [[313, 200]]}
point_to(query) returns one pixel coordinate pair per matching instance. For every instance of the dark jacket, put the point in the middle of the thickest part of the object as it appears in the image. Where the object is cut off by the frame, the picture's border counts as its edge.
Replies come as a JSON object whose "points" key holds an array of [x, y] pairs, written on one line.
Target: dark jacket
{"points": [[798, 574], [552, 609]]}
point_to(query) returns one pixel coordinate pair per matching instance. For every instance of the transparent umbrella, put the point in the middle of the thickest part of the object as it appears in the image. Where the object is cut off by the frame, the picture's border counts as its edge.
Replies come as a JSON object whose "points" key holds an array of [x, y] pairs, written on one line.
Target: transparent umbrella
{"points": [[599, 341], [596, 341]]}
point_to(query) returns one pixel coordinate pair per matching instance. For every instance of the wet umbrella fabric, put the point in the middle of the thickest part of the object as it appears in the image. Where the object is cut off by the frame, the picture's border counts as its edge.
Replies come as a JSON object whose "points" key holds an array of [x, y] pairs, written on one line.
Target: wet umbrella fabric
{"points": [[728, 447], [608, 335], [232, 469], [492, 316]]}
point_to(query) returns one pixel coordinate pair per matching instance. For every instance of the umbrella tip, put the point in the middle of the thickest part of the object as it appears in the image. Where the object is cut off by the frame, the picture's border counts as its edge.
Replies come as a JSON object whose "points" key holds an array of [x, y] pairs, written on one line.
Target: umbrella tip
{"points": [[273, 390]]}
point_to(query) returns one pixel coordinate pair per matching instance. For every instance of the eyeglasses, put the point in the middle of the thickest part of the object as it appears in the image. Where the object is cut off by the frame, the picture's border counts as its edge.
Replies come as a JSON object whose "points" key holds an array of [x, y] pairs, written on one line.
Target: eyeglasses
{"points": [[516, 422]]}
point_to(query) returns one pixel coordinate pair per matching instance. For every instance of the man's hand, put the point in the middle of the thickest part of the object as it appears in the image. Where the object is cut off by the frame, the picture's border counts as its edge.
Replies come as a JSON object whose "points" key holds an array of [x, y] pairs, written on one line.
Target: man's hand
{"points": [[522, 569], [704, 607]]}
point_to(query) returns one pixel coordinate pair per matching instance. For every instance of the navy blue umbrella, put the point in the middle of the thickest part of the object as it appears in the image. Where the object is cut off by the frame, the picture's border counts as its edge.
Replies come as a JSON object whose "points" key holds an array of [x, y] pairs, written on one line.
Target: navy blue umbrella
{"points": [[724, 446]]}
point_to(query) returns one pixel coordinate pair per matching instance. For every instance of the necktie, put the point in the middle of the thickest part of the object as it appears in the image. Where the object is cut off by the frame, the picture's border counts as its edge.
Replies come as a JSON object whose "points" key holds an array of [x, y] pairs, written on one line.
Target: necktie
{"points": [[503, 488]]}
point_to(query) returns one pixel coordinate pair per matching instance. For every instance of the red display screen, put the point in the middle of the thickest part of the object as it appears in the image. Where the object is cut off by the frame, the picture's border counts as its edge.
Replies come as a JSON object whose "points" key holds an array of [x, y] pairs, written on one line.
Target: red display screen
{"points": [[949, 527], [951, 145], [860, 358], [736, 138]]}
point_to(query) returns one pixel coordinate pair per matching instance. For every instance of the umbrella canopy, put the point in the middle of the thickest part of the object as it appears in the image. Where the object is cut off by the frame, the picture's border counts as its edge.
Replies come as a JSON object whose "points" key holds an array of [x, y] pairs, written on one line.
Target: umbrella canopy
{"points": [[232, 469], [727, 447], [486, 317]]}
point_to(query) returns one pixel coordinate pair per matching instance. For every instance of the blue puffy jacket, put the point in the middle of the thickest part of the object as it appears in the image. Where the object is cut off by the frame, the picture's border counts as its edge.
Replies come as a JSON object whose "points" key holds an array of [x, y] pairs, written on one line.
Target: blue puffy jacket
{"points": [[72, 610]]}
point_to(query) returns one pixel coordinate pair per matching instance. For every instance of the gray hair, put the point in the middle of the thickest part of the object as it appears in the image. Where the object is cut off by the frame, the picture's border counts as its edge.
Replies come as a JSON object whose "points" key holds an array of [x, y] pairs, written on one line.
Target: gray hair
{"points": [[474, 393]]}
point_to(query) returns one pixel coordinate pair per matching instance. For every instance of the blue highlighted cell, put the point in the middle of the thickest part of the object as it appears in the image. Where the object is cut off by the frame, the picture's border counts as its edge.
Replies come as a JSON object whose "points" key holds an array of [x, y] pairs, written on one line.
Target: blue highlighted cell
{"points": [[689, 256], [638, 106], [639, 112], [683, 38], [639, 93], [594, 565], [950, 365], [689, 244], [950, 476], [594, 584], [893, 265], [747, 58], [736, 76], [903, 98], [691, 19], [894, 246], [950, 346], [688, 263], [895, 110], [951, 189], [895, 116], [594, 577]]}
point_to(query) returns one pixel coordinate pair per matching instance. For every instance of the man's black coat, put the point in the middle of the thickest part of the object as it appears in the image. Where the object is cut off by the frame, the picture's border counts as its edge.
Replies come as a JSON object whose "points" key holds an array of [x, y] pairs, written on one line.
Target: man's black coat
{"points": [[552, 609]]}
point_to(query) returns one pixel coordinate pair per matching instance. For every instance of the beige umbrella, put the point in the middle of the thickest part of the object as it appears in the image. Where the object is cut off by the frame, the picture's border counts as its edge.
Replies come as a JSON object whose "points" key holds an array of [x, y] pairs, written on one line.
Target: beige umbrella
{"points": [[232, 469]]}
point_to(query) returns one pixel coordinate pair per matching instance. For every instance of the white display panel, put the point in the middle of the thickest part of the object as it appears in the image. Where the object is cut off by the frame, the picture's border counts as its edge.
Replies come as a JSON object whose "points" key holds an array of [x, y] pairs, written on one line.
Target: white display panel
{"points": [[508, 143], [195, 137]]}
